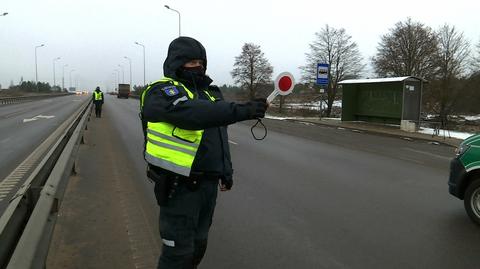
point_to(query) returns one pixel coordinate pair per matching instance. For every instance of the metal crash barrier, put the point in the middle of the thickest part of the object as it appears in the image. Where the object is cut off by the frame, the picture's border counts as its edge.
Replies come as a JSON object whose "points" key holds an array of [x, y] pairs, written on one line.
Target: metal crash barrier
{"points": [[26, 227], [21, 99]]}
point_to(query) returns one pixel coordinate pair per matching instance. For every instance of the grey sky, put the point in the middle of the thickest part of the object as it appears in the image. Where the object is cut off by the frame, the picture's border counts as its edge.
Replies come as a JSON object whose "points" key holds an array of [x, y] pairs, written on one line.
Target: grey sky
{"points": [[92, 37]]}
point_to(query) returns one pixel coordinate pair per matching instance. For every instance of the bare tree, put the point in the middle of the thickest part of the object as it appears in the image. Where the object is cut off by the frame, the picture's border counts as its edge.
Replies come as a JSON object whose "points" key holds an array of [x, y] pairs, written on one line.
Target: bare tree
{"points": [[251, 68], [410, 49], [452, 63], [334, 47], [476, 59]]}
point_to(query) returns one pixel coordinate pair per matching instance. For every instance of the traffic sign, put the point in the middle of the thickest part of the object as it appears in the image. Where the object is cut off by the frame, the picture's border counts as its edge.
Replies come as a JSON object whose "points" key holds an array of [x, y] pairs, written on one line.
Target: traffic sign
{"points": [[284, 84], [322, 74]]}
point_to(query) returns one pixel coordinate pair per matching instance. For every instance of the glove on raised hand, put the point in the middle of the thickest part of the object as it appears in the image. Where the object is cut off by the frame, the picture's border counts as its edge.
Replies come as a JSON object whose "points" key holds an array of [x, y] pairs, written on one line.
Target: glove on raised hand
{"points": [[257, 107]]}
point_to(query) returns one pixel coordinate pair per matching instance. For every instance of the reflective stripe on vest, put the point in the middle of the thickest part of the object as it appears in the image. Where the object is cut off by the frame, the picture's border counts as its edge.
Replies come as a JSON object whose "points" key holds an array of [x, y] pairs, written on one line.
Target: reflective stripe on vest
{"points": [[98, 96], [168, 146]]}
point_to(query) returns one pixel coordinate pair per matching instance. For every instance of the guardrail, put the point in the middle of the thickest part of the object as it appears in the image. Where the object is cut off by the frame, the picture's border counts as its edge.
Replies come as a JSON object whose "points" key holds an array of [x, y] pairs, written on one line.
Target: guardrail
{"points": [[20, 99], [26, 227]]}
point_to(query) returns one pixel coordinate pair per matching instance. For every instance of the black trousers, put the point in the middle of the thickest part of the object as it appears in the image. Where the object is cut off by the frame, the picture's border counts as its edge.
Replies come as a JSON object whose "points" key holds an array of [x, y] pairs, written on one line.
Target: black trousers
{"points": [[185, 221], [98, 110]]}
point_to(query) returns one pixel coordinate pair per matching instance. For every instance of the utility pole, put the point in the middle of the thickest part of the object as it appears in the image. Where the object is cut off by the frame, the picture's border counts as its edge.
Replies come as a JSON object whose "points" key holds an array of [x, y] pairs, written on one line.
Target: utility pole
{"points": [[54, 60], [143, 61], [36, 70]]}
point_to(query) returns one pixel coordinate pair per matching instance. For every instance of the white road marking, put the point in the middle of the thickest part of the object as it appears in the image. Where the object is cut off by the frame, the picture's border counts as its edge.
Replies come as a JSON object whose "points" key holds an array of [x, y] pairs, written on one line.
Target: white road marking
{"points": [[45, 117], [429, 154], [38, 117], [231, 142]]}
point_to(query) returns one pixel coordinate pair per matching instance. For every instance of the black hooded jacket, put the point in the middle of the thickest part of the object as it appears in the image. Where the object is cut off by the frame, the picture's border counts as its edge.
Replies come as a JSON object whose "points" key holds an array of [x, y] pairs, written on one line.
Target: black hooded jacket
{"points": [[160, 105]]}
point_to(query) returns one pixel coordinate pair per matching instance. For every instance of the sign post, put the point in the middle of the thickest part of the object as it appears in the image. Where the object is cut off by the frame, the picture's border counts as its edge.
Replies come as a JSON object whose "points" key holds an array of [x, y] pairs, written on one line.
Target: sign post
{"points": [[322, 80], [284, 84]]}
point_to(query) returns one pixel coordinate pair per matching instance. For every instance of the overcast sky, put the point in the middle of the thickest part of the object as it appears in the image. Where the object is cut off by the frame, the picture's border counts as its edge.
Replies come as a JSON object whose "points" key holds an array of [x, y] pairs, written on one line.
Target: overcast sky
{"points": [[93, 36]]}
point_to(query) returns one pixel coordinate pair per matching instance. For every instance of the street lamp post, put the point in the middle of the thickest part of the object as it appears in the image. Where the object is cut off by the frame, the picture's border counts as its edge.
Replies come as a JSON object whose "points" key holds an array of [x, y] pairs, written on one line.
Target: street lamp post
{"points": [[143, 61], [123, 73], [118, 76], [114, 77], [70, 78], [179, 24], [130, 62], [54, 60], [63, 76], [36, 70]]}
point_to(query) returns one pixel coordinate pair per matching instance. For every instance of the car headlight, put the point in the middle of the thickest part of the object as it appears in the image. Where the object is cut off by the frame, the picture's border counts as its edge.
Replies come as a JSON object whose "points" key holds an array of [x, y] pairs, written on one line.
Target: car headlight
{"points": [[461, 149]]}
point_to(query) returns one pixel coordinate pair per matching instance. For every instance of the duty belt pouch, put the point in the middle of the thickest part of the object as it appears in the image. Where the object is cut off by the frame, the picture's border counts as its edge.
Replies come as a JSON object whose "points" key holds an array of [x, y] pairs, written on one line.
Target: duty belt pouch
{"points": [[192, 184], [162, 186]]}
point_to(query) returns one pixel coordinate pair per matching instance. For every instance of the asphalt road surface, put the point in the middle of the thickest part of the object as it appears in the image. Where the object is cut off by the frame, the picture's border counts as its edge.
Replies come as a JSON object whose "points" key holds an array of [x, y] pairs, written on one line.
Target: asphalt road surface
{"points": [[23, 127], [311, 196]]}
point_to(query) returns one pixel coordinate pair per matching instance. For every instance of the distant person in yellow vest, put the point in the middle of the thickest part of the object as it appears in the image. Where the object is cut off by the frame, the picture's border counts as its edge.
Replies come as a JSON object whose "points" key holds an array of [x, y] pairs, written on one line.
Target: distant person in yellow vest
{"points": [[98, 102], [185, 122]]}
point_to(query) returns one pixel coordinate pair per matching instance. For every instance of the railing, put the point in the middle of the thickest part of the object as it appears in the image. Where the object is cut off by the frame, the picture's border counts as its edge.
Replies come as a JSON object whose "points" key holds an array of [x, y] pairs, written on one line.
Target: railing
{"points": [[26, 227], [20, 99]]}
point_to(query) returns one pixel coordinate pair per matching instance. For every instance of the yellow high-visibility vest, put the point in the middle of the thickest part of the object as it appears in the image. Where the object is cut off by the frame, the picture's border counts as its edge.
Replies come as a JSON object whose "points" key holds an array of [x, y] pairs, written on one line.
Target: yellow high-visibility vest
{"points": [[170, 147], [98, 96]]}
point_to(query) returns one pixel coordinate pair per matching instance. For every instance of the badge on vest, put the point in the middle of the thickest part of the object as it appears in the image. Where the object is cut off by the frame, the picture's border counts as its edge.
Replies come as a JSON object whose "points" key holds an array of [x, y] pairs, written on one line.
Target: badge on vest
{"points": [[170, 90]]}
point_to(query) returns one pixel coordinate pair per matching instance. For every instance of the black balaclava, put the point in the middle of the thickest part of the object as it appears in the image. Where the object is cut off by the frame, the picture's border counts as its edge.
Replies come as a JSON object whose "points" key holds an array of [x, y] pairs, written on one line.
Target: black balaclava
{"points": [[181, 51]]}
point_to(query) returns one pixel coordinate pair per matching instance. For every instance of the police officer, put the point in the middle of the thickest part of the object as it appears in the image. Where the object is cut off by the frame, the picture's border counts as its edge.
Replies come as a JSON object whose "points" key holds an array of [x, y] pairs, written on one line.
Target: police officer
{"points": [[98, 102], [186, 147]]}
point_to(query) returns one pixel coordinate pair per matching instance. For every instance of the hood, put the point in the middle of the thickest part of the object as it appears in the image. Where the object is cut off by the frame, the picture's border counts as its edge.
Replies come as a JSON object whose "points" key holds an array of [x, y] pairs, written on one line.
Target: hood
{"points": [[473, 140], [180, 51]]}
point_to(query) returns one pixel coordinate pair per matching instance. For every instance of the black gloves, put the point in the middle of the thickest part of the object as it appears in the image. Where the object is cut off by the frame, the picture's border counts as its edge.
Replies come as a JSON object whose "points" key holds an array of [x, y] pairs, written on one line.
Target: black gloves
{"points": [[227, 181], [257, 108]]}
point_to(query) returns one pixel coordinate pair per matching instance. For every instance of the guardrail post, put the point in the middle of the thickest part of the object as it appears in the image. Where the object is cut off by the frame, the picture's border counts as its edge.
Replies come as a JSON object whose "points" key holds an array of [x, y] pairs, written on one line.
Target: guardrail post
{"points": [[74, 171]]}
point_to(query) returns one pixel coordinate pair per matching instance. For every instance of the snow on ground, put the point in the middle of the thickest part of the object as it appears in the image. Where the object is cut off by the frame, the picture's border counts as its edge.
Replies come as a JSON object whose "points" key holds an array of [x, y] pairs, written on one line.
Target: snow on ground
{"points": [[314, 105], [445, 133], [472, 118], [429, 131]]}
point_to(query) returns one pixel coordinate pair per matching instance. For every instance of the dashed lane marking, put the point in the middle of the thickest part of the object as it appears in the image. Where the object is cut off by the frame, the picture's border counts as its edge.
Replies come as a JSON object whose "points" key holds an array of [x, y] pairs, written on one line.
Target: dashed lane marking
{"points": [[12, 180]]}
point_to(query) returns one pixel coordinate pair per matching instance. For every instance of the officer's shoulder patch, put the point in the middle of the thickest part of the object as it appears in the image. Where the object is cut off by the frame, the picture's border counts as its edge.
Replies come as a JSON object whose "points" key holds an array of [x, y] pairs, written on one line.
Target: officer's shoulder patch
{"points": [[170, 90]]}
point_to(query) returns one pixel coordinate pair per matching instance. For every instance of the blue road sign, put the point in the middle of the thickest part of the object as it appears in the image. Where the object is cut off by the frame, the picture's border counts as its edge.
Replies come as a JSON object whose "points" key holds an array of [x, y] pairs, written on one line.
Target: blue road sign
{"points": [[322, 74]]}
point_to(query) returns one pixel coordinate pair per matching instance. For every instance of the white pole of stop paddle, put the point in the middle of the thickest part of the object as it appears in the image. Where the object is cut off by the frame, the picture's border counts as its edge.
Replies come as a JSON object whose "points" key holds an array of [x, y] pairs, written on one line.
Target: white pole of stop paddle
{"points": [[272, 96]]}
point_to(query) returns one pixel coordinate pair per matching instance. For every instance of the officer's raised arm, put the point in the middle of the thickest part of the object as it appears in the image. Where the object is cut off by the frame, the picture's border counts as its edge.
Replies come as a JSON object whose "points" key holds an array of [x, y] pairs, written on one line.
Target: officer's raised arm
{"points": [[196, 114]]}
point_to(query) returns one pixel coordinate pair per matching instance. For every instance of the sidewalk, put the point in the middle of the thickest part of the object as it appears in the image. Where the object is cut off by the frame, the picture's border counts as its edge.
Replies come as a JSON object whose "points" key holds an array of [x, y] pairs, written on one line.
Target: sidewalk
{"points": [[377, 128], [101, 222]]}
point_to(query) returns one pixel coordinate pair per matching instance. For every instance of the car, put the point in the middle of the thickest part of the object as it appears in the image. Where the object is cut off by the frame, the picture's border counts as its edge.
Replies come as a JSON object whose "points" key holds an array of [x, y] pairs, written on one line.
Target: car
{"points": [[464, 179]]}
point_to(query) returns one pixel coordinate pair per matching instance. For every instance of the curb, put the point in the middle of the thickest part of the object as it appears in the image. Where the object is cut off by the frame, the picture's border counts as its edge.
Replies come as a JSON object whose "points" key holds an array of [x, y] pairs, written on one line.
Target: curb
{"points": [[405, 136]]}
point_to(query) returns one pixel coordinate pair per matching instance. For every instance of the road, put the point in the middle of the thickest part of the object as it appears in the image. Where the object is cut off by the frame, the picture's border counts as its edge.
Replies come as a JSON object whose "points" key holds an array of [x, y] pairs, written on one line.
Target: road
{"points": [[312, 196], [23, 127]]}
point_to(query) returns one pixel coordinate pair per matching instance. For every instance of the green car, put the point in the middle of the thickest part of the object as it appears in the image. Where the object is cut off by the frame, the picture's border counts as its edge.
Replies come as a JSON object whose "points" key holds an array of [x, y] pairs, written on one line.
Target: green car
{"points": [[464, 180]]}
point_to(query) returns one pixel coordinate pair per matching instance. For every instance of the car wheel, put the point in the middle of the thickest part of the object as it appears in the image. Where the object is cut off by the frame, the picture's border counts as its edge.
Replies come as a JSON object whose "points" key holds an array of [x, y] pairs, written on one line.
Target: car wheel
{"points": [[472, 201]]}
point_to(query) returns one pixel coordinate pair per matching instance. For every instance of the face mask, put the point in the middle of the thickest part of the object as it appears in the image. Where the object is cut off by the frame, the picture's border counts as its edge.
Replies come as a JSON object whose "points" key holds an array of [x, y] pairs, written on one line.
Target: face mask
{"points": [[194, 77], [195, 70]]}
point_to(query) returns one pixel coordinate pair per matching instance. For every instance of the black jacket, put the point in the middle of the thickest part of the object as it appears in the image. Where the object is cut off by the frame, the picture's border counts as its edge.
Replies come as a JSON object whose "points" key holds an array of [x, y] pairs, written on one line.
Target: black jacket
{"points": [[213, 155]]}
